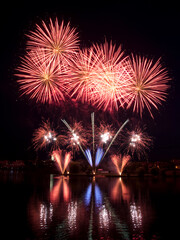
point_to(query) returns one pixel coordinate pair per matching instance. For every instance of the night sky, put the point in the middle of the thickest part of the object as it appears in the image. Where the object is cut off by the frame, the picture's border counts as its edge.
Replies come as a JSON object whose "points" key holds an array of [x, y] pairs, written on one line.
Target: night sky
{"points": [[147, 28]]}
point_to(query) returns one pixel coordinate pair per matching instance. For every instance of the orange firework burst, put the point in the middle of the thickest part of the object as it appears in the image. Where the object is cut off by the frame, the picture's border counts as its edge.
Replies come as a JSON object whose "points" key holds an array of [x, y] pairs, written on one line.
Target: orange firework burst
{"points": [[41, 80], [148, 85], [58, 41]]}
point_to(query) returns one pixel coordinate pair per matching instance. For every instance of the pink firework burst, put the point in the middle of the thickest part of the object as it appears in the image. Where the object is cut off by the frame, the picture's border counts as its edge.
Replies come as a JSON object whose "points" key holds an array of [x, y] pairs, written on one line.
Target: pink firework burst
{"points": [[83, 78], [59, 41], [136, 142], [41, 80], [114, 75], [148, 85], [78, 136], [44, 136]]}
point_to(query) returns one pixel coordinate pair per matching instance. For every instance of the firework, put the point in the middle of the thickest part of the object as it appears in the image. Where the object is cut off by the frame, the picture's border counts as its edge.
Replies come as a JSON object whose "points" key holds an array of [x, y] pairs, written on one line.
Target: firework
{"points": [[120, 162], [44, 136], [41, 80], [148, 86], [83, 80], [62, 161], [59, 41], [98, 157], [113, 77], [136, 142]]}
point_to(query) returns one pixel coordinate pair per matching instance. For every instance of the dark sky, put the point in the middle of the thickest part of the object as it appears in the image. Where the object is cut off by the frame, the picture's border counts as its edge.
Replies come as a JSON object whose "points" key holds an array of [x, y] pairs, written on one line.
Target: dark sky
{"points": [[147, 28]]}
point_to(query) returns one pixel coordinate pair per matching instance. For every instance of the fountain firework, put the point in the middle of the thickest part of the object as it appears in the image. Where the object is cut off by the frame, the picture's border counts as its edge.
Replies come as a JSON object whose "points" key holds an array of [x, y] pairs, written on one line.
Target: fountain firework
{"points": [[120, 162], [62, 161]]}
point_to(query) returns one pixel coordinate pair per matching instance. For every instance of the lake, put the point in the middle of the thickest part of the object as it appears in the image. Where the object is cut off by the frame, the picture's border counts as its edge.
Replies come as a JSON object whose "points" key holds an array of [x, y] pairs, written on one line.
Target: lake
{"points": [[37, 205]]}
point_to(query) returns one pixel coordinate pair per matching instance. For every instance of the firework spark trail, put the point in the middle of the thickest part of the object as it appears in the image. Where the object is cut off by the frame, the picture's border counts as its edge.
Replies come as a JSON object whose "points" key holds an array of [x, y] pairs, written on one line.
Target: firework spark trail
{"points": [[57, 156], [124, 161], [71, 130], [59, 41], [148, 86], [99, 154], [44, 136], [89, 157], [114, 138], [41, 80], [62, 162], [92, 122], [113, 76], [83, 79], [120, 162], [136, 141]]}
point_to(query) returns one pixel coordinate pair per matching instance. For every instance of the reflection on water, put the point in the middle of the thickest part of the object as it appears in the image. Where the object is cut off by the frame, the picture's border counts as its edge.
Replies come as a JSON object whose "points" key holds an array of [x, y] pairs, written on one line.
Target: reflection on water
{"points": [[90, 208]]}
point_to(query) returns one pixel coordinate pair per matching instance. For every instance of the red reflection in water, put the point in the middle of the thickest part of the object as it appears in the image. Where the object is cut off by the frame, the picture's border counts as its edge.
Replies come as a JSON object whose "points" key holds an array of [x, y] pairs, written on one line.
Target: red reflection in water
{"points": [[61, 187], [120, 190]]}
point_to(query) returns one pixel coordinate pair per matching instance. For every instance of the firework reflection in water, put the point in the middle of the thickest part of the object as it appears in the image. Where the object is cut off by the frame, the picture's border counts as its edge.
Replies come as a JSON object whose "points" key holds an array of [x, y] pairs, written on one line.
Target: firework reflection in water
{"points": [[120, 162]]}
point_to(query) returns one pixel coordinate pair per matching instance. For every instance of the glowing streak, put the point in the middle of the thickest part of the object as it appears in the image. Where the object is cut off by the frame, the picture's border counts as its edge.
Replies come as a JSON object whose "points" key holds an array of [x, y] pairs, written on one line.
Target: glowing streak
{"points": [[98, 157], [98, 196], [92, 121], [89, 157], [71, 130], [114, 138], [87, 197], [62, 163]]}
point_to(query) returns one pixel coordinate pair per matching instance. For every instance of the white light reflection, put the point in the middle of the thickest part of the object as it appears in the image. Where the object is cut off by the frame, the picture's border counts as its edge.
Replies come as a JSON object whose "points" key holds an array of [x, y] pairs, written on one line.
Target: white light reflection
{"points": [[136, 215], [46, 214], [72, 215], [104, 217]]}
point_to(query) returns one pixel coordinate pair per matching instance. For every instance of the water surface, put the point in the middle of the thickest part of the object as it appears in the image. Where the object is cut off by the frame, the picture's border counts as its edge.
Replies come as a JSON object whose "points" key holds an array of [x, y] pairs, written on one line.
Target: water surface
{"points": [[35, 205]]}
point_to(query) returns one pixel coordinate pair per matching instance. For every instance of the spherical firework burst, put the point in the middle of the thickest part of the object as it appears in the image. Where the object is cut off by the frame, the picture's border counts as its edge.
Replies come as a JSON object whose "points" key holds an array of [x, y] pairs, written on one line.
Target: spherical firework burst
{"points": [[58, 41], [77, 137], [114, 75], [41, 80], [104, 133], [148, 86], [83, 79], [136, 142], [44, 136]]}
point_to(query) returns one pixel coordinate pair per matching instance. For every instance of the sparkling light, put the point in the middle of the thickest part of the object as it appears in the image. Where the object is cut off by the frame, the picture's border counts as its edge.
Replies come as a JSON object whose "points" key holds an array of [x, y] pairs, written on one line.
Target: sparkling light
{"points": [[58, 41], [149, 84]]}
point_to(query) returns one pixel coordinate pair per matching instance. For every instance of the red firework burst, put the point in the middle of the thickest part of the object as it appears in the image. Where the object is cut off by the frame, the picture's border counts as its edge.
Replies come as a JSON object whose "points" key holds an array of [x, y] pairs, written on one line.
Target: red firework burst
{"points": [[148, 86], [58, 41], [41, 80]]}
